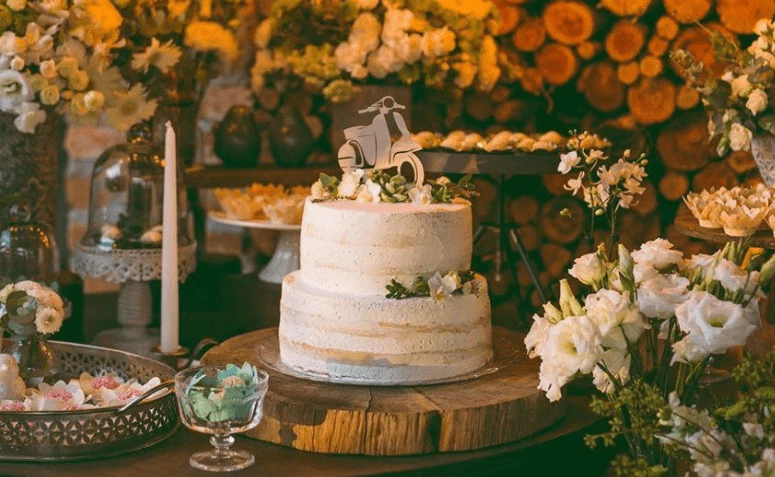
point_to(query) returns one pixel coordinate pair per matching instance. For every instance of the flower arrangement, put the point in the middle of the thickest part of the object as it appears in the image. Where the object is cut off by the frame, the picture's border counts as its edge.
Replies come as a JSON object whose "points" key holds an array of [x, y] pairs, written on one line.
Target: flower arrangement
{"points": [[437, 287], [30, 308], [650, 326], [332, 45], [379, 186], [740, 99]]}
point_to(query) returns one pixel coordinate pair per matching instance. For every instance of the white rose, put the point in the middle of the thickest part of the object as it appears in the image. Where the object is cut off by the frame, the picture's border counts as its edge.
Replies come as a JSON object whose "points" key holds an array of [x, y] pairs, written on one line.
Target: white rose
{"points": [[712, 324], [365, 33], [534, 340], [658, 255], [741, 86], [568, 162], [421, 195], [659, 296], [317, 192], [588, 269], [263, 33], [740, 137], [28, 286], [14, 91], [572, 346], [757, 102], [617, 362], [618, 320]]}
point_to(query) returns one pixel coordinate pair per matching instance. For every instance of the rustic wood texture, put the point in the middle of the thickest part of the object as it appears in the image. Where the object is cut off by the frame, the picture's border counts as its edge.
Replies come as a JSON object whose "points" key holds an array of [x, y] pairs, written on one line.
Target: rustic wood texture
{"points": [[496, 408], [683, 144], [557, 63], [625, 40], [740, 16], [568, 21], [652, 101], [210, 177], [529, 35], [688, 11], [601, 86], [626, 8]]}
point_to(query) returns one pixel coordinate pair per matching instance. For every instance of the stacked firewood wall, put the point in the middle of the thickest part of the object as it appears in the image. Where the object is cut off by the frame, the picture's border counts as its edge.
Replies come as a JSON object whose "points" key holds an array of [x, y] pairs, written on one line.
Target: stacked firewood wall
{"points": [[586, 63]]}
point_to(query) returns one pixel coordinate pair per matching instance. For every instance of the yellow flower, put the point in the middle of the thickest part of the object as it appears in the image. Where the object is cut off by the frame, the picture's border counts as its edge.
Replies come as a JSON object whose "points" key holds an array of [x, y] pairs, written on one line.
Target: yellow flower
{"points": [[210, 36], [163, 57], [129, 108], [97, 21], [50, 95], [476, 9]]}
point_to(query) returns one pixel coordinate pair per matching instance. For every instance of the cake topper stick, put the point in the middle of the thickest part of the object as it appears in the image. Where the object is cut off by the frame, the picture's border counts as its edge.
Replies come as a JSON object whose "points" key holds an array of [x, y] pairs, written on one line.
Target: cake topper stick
{"points": [[372, 147]]}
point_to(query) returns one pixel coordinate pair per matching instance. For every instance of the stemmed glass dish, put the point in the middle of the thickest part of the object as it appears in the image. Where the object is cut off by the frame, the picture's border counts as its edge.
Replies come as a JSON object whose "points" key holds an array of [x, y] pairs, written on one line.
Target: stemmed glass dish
{"points": [[221, 400]]}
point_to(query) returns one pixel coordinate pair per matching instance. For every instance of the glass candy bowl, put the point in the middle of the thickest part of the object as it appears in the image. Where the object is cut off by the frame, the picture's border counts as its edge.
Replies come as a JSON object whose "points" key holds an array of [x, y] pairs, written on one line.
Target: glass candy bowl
{"points": [[221, 401]]}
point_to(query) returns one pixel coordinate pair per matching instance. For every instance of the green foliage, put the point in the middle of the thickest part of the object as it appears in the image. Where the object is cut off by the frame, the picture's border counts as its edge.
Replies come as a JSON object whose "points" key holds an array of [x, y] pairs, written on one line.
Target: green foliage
{"points": [[445, 192], [625, 466], [395, 189], [420, 288]]}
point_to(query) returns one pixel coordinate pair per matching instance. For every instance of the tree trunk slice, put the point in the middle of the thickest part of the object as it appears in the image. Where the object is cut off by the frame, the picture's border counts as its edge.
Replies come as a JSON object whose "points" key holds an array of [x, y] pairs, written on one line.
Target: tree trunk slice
{"points": [[651, 66], [657, 45], [652, 101], [741, 162], [666, 27], [716, 174], [740, 16], [602, 87], [687, 97], [530, 237], [688, 11], [509, 18], [588, 50], [529, 35], [555, 259], [646, 203], [524, 209], [495, 408], [673, 185], [626, 8], [557, 63], [569, 22], [683, 143], [566, 228], [628, 73], [624, 41]]}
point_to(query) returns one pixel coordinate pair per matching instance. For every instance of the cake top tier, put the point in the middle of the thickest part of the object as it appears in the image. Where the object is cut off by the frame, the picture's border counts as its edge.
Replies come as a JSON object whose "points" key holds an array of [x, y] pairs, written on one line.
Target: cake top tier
{"points": [[358, 248]]}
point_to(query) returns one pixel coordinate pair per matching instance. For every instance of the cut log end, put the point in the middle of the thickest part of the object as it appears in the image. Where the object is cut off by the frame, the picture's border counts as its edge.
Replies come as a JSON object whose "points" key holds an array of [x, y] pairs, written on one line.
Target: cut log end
{"points": [[625, 40], [569, 22], [529, 35], [557, 63], [588, 50], [652, 101], [688, 11], [657, 46], [666, 27], [509, 18], [626, 8], [628, 73], [602, 87], [673, 185], [740, 16], [683, 143], [687, 97], [651, 66], [715, 174]]}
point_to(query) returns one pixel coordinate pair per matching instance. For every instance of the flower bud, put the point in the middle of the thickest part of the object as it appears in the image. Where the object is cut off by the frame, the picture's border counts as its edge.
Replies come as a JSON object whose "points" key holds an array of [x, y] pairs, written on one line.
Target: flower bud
{"points": [[768, 272], [552, 314], [569, 305]]}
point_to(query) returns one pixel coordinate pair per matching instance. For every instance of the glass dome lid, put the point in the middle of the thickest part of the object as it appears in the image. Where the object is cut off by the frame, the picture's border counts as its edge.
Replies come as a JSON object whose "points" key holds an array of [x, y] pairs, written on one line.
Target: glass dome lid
{"points": [[127, 195], [28, 250]]}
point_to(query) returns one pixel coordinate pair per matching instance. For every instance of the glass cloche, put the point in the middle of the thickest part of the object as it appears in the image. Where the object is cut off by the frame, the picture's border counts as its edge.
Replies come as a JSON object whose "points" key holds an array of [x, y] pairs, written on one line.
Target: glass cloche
{"points": [[28, 250], [127, 195]]}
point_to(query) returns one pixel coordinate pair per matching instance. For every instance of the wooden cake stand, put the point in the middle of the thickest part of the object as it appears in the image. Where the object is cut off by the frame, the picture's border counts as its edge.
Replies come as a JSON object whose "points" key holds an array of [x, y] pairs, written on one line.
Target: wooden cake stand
{"points": [[495, 408]]}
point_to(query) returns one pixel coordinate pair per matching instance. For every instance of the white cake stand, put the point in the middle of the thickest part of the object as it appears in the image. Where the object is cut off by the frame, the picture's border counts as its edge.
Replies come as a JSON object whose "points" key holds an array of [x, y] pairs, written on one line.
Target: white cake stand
{"points": [[286, 256]]}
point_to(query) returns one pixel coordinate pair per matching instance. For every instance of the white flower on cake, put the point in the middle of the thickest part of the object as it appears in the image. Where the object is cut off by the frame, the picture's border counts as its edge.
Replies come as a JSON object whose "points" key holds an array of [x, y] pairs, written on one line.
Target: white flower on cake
{"points": [[442, 287], [351, 181], [317, 192], [713, 325], [588, 269], [370, 193], [421, 195], [573, 345]]}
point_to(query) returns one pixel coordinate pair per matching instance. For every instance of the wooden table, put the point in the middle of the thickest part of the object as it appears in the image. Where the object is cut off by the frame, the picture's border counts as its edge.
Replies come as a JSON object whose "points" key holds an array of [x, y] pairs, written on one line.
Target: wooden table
{"points": [[557, 451]]}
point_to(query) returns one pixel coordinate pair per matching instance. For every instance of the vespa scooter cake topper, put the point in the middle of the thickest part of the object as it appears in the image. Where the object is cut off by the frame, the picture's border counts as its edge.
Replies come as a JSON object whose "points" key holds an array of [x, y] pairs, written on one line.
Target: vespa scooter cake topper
{"points": [[373, 146]]}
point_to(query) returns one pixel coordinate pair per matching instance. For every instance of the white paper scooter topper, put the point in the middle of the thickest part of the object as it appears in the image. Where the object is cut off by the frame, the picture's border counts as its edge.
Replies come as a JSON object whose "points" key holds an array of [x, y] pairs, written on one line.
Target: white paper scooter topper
{"points": [[372, 147]]}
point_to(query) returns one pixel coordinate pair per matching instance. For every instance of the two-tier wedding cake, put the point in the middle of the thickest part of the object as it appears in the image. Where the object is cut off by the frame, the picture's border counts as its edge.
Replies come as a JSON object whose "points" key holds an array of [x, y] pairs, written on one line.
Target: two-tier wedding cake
{"points": [[336, 322]]}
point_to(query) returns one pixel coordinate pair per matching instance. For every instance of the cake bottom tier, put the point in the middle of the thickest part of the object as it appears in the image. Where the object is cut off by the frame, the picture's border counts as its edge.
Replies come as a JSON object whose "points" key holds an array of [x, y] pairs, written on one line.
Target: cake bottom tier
{"points": [[376, 340]]}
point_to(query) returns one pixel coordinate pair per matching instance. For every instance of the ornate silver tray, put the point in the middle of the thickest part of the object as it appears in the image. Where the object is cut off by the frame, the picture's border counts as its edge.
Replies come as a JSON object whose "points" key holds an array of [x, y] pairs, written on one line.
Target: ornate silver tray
{"points": [[93, 433]]}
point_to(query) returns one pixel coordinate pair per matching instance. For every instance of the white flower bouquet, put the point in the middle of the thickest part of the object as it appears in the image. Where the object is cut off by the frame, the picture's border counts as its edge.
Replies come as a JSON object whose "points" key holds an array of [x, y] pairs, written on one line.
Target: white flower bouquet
{"points": [[740, 100], [60, 56], [30, 308], [331, 44]]}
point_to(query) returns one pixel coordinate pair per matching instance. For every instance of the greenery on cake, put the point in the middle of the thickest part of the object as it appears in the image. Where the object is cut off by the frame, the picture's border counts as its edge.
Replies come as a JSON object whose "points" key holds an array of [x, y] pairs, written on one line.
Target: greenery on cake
{"points": [[437, 287], [379, 186]]}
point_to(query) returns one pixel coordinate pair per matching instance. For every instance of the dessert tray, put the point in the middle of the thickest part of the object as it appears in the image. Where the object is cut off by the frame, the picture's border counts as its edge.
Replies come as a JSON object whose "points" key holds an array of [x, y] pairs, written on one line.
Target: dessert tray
{"points": [[223, 218], [93, 433]]}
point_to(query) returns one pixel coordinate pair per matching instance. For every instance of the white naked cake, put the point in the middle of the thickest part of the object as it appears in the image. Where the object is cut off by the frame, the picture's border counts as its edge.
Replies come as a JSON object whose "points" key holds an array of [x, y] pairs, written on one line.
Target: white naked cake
{"points": [[337, 323]]}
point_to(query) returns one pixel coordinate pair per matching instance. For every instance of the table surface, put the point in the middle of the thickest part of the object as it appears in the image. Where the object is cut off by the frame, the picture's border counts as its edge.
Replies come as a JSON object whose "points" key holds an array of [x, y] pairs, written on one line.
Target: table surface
{"points": [[688, 225], [170, 458]]}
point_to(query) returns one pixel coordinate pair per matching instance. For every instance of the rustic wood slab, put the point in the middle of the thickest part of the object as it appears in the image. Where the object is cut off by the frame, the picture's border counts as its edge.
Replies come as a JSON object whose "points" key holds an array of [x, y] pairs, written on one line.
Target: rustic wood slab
{"points": [[688, 225], [496, 408]]}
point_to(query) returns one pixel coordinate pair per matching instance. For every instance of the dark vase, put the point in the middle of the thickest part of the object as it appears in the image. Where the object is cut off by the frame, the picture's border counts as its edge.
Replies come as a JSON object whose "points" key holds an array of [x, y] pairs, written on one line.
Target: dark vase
{"points": [[237, 139], [290, 138], [38, 363]]}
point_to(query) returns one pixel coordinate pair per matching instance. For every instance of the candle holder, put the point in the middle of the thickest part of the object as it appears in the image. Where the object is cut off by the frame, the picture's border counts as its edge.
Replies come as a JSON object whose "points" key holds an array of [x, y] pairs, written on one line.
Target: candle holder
{"points": [[173, 359]]}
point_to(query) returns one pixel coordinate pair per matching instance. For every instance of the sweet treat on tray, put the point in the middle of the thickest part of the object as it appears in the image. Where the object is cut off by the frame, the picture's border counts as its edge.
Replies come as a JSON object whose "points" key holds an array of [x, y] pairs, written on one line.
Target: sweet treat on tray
{"points": [[384, 294], [264, 202], [504, 141], [740, 211]]}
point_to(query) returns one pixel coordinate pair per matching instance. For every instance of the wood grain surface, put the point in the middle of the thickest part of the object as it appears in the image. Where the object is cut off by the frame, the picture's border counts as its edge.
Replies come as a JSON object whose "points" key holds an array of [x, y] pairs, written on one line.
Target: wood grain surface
{"points": [[493, 409]]}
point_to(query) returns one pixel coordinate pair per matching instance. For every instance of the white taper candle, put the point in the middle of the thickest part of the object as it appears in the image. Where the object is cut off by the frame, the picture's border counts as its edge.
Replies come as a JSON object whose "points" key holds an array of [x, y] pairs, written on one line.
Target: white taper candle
{"points": [[169, 247]]}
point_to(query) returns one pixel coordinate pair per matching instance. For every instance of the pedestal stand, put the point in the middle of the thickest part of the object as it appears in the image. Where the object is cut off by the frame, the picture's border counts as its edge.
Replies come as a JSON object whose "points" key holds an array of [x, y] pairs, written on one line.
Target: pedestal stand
{"points": [[133, 269], [286, 255]]}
